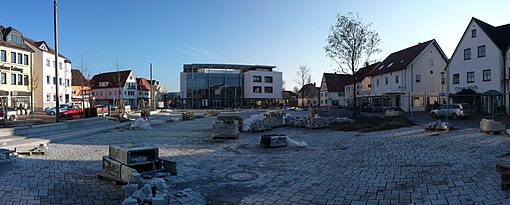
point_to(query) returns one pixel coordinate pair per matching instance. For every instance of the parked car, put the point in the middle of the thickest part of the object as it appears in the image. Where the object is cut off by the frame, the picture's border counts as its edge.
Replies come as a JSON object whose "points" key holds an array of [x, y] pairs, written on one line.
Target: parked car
{"points": [[53, 110], [72, 112], [455, 111], [375, 107], [11, 113]]}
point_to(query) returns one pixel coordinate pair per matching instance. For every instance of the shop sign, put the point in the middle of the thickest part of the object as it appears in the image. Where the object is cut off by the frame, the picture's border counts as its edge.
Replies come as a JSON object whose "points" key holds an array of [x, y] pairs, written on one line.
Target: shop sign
{"points": [[12, 68], [472, 87]]}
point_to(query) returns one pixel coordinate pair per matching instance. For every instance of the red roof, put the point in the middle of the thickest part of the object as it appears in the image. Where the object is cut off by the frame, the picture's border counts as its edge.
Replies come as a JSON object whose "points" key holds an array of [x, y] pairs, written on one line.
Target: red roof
{"points": [[336, 82], [78, 78], [111, 77], [401, 59], [143, 84]]}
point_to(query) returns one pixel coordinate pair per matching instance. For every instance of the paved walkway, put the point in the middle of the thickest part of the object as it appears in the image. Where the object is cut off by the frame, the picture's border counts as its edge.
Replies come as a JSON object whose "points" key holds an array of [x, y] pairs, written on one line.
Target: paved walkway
{"points": [[402, 166]]}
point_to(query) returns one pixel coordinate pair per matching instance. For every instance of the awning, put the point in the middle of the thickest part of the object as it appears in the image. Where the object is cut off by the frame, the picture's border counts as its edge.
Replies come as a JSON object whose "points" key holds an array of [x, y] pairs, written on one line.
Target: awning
{"points": [[492, 92]]}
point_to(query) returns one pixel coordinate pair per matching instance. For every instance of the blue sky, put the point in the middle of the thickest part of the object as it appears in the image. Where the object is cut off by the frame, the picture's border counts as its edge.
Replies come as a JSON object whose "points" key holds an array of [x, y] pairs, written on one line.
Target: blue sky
{"points": [[285, 33]]}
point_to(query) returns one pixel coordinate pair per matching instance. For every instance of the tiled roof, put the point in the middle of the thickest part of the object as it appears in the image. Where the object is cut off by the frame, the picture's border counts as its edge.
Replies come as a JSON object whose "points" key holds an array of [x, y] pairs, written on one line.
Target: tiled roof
{"points": [[499, 35], [143, 84], [289, 93], [401, 59], [336, 82], [367, 71], [37, 44], [78, 78], [111, 77]]}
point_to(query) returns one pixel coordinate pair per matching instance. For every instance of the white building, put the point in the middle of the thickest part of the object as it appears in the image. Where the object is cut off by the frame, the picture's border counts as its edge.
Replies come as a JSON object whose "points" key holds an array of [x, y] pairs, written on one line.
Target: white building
{"points": [[262, 84], [410, 78], [15, 66], [363, 85], [477, 72], [332, 91], [44, 76], [109, 88]]}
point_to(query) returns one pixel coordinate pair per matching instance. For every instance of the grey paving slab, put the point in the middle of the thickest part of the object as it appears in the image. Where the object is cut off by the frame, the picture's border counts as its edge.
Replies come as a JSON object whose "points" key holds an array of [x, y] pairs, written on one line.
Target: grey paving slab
{"points": [[408, 166]]}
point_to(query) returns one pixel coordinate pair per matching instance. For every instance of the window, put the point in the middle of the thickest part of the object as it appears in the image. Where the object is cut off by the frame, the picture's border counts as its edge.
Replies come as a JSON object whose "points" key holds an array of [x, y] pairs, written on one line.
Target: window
{"points": [[13, 79], [456, 78], [467, 53], [109, 92], [377, 82], [15, 38], [418, 78], [257, 89], [257, 79], [386, 80], [268, 79], [3, 55], [59, 81], [48, 62], [473, 33], [73, 92], [47, 79], [431, 62], [481, 51], [13, 57], [48, 97], [396, 79], [20, 79], [25, 80], [67, 82], [60, 65], [471, 77], [25, 59], [268, 89], [486, 75], [20, 58], [54, 80], [3, 78]]}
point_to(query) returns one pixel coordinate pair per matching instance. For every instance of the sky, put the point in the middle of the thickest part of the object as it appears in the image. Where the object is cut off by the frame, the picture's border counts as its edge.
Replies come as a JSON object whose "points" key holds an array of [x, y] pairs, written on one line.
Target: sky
{"points": [[284, 33]]}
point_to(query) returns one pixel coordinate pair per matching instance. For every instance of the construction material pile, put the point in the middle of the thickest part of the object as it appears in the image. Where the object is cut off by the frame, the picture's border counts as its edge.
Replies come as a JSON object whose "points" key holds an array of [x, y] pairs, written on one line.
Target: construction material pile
{"points": [[141, 123], [318, 122], [188, 115], [491, 127], [139, 166], [274, 118], [225, 129], [256, 123], [296, 121], [439, 125], [7, 155]]}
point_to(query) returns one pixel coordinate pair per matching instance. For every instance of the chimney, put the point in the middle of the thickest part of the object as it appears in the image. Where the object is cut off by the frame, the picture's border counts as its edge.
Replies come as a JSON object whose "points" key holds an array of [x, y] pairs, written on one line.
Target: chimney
{"points": [[314, 85]]}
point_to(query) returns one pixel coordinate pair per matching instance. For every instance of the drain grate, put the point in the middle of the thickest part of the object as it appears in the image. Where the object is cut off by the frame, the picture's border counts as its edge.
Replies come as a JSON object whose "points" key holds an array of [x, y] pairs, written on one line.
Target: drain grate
{"points": [[242, 176]]}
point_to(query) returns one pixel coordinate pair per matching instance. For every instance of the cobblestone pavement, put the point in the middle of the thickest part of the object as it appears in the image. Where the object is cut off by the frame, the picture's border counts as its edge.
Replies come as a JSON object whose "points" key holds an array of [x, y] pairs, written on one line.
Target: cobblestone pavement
{"points": [[403, 166]]}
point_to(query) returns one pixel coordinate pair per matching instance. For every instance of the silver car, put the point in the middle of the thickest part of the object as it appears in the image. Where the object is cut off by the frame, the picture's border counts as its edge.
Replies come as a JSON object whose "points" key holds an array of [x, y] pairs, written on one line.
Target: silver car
{"points": [[455, 111]]}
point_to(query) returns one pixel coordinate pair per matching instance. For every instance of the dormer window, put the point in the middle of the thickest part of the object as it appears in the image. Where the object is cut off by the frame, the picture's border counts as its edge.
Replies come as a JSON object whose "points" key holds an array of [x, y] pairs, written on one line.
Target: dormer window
{"points": [[43, 47], [16, 38]]}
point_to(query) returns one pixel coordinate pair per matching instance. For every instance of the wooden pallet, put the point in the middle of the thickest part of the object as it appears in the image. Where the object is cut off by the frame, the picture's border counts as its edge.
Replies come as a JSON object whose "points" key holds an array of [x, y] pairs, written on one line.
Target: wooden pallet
{"points": [[103, 175], [223, 138], [32, 152], [490, 132], [436, 129]]}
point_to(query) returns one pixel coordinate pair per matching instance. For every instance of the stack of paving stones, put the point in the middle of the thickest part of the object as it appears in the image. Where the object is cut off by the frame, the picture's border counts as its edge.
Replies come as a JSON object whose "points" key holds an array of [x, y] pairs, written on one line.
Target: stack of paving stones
{"points": [[297, 121], [154, 191], [503, 167], [274, 118]]}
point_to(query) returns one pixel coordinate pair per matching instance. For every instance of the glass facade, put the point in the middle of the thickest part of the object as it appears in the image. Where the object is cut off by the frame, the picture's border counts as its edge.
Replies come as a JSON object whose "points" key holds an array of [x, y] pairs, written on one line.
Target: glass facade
{"points": [[218, 88]]}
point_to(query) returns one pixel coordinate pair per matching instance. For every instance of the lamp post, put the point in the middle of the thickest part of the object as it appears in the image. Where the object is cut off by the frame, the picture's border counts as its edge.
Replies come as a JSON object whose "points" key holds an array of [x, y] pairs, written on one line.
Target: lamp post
{"points": [[442, 81]]}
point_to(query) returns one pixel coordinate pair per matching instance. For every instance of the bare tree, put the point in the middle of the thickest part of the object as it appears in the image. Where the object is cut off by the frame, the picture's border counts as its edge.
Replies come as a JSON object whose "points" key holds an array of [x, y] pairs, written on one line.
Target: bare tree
{"points": [[304, 77], [82, 82], [32, 86], [295, 89], [350, 43], [119, 83]]}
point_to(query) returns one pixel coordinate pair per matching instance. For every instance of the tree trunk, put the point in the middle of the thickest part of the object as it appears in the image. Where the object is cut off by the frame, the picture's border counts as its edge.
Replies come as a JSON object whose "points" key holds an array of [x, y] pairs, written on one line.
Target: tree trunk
{"points": [[354, 99]]}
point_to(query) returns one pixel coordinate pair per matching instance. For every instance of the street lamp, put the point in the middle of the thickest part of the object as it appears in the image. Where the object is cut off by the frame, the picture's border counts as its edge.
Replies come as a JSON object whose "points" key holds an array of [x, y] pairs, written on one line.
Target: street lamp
{"points": [[442, 82]]}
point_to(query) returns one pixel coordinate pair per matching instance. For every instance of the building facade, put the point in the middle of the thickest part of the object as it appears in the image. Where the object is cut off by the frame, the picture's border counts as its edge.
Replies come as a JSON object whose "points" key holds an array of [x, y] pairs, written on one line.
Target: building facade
{"points": [[45, 78], [229, 85], [479, 68], [410, 78], [114, 88], [80, 86], [308, 96], [363, 82], [16, 61], [332, 91]]}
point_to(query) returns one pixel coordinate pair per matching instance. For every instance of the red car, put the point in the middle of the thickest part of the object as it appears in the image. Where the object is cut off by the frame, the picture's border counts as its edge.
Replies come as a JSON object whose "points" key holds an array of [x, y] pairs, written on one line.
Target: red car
{"points": [[72, 112]]}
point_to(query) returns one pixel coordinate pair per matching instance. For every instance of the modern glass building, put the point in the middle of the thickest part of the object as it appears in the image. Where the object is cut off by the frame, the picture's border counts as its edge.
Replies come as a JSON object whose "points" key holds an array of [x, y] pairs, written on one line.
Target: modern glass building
{"points": [[215, 85]]}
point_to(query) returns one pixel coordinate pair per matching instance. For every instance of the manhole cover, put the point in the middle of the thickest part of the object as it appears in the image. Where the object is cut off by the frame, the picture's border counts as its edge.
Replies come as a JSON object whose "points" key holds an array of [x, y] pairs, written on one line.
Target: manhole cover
{"points": [[242, 176]]}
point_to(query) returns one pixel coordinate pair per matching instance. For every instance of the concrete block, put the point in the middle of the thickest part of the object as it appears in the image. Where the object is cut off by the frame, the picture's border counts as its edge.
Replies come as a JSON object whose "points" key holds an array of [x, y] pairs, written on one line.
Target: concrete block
{"points": [[129, 189], [135, 177], [130, 201], [146, 189], [139, 195], [158, 201], [159, 183]]}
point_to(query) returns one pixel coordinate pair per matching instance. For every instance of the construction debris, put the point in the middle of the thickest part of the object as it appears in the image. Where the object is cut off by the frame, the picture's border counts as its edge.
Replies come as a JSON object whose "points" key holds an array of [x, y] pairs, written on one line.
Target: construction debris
{"points": [[141, 123], [503, 167], [439, 126], [7, 155], [274, 118], [318, 122], [188, 115], [39, 150], [225, 130], [256, 123]]}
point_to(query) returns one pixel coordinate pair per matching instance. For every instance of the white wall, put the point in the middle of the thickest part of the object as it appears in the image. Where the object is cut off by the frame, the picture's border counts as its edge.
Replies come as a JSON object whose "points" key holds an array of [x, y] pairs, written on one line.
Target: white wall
{"points": [[248, 84], [492, 60]]}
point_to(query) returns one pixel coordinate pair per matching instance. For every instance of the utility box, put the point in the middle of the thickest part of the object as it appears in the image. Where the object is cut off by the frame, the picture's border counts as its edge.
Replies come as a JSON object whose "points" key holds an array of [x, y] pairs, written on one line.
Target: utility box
{"points": [[273, 140], [133, 154]]}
